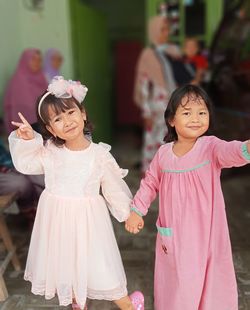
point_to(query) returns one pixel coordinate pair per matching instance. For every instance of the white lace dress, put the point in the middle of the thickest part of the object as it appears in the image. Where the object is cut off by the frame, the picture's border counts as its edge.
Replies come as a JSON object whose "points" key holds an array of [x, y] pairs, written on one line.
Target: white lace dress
{"points": [[73, 250]]}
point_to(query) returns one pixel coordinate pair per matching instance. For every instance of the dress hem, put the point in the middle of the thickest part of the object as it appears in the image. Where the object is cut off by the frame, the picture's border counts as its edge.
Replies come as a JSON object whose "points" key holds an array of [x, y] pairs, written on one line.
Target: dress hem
{"points": [[68, 301]]}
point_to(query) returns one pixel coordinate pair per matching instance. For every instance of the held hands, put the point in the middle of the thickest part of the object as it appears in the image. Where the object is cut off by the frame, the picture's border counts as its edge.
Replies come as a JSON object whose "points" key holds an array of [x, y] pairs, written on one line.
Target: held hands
{"points": [[134, 223], [24, 130]]}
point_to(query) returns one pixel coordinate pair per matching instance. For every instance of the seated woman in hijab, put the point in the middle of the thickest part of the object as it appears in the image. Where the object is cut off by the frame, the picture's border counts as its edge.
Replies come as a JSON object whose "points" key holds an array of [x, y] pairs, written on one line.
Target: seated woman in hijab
{"points": [[53, 60], [27, 83], [27, 187]]}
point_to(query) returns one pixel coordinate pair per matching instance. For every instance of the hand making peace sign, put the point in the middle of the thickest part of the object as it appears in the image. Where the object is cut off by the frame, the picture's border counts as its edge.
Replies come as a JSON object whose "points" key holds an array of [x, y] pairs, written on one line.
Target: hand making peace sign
{"points": [[24, 130]]}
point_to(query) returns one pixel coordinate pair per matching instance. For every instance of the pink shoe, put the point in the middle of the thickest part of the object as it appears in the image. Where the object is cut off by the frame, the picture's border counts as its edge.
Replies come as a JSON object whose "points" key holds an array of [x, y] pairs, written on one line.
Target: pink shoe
{"points": [[137, 300]]}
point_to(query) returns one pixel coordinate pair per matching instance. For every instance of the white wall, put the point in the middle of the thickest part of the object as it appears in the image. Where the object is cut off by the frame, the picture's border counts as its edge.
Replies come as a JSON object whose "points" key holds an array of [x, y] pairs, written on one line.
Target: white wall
{"points": [[10, 41], [48, 28], [21, 28]]}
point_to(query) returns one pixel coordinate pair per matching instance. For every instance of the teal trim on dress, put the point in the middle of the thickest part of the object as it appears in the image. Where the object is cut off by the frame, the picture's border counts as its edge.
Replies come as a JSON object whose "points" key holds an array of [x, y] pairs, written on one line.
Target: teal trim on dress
{"points": [[136, 211], [245, 153], [165, 231], [187, 170]]}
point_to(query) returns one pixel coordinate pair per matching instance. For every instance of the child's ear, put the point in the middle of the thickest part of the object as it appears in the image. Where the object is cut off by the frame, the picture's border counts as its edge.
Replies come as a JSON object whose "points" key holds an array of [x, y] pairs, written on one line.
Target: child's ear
{"points": [[171, 122], [84, 115], [50, 130]]}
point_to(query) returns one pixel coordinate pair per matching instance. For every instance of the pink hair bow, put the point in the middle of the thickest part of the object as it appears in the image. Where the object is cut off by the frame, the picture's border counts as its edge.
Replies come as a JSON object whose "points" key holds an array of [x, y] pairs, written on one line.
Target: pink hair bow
{"points": [[62, 88]]}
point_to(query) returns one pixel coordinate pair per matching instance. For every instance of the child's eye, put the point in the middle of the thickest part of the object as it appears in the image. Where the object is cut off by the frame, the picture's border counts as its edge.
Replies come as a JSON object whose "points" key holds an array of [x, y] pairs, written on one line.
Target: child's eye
{"points": [[56, 119], [203, 113], [186, 113], [71, 111]]}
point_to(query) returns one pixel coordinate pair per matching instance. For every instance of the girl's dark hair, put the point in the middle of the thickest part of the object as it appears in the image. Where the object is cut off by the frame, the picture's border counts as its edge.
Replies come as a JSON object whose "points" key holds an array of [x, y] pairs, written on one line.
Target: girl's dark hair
{"points": [[59, 105], [191, 92]]}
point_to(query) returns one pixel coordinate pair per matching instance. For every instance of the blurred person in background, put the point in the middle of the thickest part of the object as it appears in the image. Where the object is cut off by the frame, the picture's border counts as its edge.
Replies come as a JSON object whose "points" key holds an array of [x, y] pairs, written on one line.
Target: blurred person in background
{"points": [[27, 83], [53, 60], [27, 187], [196, 63], [154, 83]]}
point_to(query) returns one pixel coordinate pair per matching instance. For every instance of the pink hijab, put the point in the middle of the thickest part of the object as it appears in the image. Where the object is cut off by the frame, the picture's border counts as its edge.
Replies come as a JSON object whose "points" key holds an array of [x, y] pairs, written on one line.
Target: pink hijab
{"points": [[22, 91]]}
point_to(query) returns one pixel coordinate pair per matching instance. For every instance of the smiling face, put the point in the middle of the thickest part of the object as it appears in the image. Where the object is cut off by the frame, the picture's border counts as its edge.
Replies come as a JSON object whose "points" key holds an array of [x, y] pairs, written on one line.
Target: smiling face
{"points": [[68, 124], [191, 119]]}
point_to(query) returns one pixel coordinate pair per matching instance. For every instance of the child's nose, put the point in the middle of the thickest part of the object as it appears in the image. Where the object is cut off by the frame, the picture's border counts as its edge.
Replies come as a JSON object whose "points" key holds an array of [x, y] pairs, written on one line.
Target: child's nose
{"points": [[195, 118], [67, 121]]}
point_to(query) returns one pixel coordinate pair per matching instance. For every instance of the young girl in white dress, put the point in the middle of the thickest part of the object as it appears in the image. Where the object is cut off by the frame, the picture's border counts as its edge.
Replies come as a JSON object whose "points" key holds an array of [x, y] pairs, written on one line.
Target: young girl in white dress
{"points": [[73, 251]]}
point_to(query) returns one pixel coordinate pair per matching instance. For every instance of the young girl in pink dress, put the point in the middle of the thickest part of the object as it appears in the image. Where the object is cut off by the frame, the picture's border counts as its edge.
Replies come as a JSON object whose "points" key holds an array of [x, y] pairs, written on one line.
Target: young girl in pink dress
{"points": [[73, 252], [193, 265]]}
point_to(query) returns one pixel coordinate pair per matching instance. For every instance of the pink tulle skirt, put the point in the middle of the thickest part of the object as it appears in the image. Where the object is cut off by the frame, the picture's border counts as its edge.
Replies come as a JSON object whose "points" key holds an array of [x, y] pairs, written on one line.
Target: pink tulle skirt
{"points": [[73, 251]]}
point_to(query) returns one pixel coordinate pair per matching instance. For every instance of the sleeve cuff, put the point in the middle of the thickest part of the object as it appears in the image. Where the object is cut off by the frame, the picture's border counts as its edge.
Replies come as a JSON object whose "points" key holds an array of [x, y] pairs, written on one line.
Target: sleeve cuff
{"points": [[136, 211], [245, 153]]}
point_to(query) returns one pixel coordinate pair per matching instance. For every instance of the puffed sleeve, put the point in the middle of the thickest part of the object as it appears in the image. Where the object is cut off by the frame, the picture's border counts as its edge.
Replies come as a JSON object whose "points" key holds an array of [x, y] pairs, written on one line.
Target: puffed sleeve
{"points": [[148, 189], [230, 154], [27, 154], [114, 188]]}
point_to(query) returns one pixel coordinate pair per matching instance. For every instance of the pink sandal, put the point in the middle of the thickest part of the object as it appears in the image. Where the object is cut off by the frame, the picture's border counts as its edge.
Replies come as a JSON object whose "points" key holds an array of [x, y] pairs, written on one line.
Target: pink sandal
{"points": [[137, 300]]}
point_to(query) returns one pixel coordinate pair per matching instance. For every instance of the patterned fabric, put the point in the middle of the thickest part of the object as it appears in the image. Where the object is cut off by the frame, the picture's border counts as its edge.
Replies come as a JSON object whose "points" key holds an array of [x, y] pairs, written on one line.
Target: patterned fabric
{"points": [[154, 106]]}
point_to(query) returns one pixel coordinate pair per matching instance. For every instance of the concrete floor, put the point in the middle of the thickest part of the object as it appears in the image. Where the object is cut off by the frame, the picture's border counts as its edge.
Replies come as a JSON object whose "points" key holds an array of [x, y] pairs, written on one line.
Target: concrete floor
{"points": [[138, 251]]}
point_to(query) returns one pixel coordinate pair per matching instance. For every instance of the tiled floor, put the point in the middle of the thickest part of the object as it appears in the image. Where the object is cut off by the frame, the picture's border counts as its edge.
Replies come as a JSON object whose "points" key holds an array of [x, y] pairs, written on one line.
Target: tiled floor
{"points": [[138, 251]]}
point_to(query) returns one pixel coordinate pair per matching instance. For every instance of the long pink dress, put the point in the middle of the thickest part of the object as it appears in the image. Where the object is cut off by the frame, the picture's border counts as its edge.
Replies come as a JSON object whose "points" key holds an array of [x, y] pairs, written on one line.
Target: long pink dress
{"points": [[73, 248], [193, 265]]}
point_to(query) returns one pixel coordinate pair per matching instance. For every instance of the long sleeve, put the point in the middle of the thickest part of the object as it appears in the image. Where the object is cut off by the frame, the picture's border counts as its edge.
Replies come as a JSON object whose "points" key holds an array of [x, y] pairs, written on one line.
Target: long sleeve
{"points": [[147, 97], [114, 188], [149, 187], [27, 154], [230, 154]]}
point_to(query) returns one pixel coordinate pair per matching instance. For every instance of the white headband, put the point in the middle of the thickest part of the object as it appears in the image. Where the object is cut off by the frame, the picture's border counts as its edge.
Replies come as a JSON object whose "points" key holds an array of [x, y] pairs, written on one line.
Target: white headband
{"points": [[40, 103], [64, 89]]}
